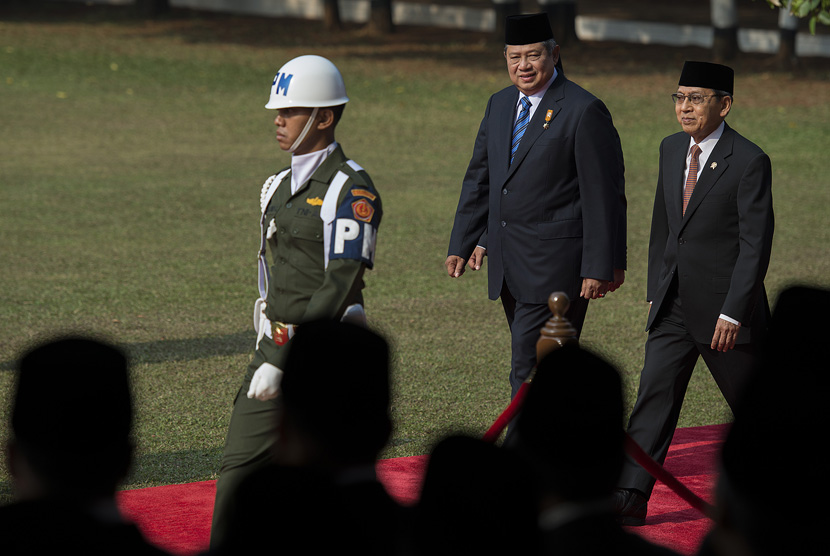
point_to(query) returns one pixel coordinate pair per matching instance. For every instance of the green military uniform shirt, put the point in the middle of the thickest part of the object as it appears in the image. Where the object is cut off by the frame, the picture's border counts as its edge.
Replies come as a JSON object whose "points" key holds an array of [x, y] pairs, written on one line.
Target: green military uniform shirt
{"points": [[315, 270]]}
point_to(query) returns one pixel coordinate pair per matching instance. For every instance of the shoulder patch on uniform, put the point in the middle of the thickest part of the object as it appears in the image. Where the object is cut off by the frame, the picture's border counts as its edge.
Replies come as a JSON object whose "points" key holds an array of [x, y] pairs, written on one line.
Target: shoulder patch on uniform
{"points": [[364, 193], [355, 226], [363, 210]]}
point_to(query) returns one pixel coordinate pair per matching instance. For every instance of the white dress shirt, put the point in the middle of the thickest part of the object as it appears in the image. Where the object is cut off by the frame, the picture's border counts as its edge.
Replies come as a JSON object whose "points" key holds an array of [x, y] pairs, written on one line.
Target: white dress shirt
{"points": [[535, 98]]}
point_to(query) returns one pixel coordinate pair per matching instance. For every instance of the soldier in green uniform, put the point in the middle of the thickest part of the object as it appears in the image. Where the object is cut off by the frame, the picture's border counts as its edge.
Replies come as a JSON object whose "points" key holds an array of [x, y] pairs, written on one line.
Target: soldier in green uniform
{"points": [[319, 224]]}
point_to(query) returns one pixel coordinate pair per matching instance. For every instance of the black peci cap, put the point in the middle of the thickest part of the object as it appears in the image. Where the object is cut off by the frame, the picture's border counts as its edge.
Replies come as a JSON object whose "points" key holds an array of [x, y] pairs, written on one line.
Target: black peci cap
{"points": [[708, 76], [527, 29]]}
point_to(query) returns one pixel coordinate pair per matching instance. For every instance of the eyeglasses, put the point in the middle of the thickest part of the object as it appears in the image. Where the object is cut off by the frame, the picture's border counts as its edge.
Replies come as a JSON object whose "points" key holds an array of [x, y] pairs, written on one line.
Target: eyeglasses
{"points": [[694, 98]]}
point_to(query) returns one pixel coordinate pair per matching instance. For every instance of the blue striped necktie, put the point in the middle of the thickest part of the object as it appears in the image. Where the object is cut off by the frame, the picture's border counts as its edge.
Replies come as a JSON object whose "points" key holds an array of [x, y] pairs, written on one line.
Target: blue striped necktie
{"points": [[520, 127]]}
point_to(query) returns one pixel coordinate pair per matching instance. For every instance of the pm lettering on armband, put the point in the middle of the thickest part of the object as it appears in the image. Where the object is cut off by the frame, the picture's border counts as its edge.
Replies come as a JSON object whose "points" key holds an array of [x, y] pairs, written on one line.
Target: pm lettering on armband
{"points": [[354, 240]]}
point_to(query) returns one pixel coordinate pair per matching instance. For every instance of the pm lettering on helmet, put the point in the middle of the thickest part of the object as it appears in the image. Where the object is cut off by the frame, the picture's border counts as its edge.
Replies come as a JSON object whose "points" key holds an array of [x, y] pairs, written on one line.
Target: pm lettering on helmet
{"points": [[281, 83], [308, 81]]}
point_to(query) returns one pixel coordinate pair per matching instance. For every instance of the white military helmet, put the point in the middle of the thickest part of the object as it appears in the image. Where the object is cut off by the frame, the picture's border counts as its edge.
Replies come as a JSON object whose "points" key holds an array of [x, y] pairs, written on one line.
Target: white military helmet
{"points": [[308, 82]]}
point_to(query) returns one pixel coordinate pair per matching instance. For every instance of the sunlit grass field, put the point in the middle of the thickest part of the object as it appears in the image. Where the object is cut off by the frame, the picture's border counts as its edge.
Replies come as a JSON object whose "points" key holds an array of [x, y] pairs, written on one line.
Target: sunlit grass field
{"points": [[131, 159]]}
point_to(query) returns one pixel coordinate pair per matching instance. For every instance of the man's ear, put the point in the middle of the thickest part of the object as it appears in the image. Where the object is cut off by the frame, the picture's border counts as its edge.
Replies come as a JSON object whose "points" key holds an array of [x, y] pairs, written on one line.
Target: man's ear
{"points": [[725, 106], [325, 118]]}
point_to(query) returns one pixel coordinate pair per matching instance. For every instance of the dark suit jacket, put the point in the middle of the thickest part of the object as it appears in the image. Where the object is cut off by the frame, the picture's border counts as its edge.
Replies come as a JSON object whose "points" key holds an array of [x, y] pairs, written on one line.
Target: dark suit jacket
{"points": [[556, 215], [720, 249]]}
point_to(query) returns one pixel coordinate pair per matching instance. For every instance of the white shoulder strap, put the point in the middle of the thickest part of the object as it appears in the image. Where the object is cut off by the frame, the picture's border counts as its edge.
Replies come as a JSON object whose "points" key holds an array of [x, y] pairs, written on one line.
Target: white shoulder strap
{"points": [[268, 189], [329, 209]]}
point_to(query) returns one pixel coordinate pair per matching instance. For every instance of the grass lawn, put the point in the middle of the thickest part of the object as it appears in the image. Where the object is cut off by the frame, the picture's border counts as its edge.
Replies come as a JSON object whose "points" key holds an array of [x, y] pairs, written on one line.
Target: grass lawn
{"points": [[132, 156]]}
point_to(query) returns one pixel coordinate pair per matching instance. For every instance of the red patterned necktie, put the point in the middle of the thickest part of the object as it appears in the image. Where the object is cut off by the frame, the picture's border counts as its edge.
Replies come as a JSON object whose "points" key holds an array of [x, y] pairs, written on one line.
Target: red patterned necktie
{"points": [[691, 179]]}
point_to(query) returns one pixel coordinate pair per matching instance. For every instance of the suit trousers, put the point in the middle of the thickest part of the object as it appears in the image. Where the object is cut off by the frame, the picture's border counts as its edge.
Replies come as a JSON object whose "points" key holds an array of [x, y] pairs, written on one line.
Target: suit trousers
{"points": [[526, 321], [670, 357]]}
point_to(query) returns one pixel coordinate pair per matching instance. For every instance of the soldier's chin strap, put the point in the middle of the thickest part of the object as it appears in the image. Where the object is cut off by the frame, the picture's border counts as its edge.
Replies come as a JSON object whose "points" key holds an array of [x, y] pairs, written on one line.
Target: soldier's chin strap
{"points": [[307, 127]]}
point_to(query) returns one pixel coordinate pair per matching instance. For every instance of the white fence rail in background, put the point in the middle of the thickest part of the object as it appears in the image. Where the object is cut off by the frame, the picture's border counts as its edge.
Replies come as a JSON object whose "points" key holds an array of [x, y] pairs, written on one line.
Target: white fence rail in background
{"points": [[483, 19]]}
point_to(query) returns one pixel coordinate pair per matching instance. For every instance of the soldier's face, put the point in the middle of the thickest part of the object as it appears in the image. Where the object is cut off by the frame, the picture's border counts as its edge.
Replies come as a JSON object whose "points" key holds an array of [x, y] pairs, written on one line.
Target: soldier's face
{"points": [[530, 66], [290, 123]]}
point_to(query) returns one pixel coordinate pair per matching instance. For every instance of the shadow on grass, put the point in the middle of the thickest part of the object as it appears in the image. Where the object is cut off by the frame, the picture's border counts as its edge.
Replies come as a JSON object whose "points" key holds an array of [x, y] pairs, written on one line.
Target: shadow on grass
{"points": [[175, 467], [159, 351], [189, 349]]}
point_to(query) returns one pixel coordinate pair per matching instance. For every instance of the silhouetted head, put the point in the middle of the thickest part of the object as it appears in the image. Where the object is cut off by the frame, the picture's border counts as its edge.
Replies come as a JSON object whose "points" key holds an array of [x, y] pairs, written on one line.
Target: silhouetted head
{"points": [[782, 416], [570, 425], [471, 489], [336, 389], [72, 416]]}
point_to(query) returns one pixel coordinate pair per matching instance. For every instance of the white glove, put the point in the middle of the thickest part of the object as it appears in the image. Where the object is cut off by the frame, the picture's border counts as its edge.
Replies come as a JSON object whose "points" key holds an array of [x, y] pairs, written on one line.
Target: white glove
{"points": [[354, 314], [266, 382]]}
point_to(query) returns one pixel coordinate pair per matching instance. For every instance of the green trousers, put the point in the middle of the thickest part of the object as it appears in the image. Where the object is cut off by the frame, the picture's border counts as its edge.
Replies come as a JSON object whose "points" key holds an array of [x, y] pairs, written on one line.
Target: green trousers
{"points": [[249, 445]]}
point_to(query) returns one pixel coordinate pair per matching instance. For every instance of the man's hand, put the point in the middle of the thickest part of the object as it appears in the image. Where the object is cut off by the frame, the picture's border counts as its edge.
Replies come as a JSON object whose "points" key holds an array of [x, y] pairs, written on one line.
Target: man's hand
{"points": [[477, 258], [265, 384], [726, 333], [619, 278], [593, 289], [455, 266]]}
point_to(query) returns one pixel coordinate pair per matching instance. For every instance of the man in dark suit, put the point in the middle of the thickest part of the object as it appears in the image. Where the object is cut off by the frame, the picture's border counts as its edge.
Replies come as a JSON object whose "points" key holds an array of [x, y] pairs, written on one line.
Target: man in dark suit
{"points": [[545, 185], [711, 237]]}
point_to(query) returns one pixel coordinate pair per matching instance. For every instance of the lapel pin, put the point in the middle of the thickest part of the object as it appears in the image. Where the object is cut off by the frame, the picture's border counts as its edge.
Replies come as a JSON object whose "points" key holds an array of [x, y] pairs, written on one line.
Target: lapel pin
{"points": [[713, 165], [548, 116]]}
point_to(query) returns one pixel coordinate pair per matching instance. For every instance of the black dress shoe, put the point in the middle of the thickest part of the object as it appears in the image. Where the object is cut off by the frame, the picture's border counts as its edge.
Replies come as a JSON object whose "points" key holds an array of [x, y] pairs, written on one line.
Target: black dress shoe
{"points": [[630, 507]]}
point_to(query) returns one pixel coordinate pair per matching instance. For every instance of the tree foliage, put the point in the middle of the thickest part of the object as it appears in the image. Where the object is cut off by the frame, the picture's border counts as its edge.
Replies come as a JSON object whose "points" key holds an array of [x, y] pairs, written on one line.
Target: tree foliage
{"points": [[815, 10]]}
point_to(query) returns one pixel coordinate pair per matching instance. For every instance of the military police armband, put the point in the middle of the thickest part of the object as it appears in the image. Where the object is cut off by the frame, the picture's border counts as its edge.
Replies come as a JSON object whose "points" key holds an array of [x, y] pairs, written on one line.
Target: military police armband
{"points": [[355, 227]]}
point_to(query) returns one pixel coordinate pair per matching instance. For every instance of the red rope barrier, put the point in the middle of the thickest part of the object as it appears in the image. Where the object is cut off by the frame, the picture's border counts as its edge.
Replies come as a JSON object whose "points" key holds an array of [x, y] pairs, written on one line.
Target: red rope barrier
{"points": [[507, 415], [632, 448], [659, 472]]}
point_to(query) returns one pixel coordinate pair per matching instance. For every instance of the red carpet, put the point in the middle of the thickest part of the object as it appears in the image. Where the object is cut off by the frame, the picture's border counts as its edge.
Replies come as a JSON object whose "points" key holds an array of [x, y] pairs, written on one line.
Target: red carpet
{"points": [[693, 460], [177, 517]]}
